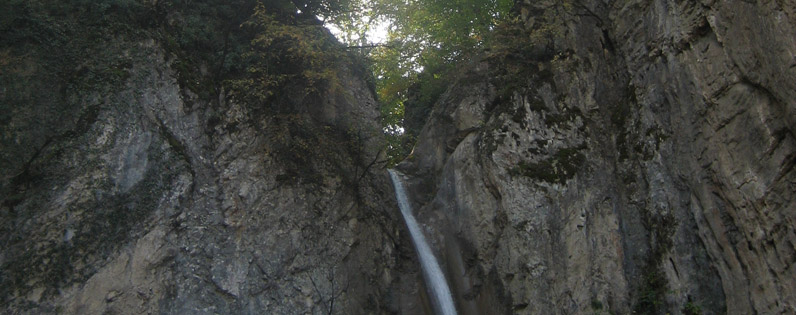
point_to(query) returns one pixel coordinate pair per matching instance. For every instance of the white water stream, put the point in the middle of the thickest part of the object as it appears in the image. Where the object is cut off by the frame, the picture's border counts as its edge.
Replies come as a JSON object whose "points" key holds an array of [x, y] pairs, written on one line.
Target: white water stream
{"points": [[435, 279]]}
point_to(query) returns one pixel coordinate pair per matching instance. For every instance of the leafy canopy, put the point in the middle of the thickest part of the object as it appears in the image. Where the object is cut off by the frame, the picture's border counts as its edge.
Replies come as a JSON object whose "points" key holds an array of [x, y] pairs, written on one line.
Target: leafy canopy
{"points": [[426, 39]]}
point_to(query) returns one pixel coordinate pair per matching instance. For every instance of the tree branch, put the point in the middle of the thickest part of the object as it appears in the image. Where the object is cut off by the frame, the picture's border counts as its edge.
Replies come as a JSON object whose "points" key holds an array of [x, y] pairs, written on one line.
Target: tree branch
{"points": [[370, 46]]}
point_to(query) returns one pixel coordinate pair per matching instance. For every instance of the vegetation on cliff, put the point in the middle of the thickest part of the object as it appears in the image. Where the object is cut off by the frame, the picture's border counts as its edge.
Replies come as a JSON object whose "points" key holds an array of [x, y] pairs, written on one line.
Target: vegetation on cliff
{"points": [[253, 49], [64, 65], [426, 43]]}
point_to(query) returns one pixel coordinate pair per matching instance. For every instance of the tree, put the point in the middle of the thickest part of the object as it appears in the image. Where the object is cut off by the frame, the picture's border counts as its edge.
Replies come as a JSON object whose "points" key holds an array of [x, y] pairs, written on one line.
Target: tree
{"points": [[289, 49], [427, 39]]}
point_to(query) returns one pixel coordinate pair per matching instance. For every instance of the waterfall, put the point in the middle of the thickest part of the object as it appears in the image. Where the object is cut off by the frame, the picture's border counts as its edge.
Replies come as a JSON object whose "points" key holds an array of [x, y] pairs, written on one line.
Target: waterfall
{"points": [[435, 279]]}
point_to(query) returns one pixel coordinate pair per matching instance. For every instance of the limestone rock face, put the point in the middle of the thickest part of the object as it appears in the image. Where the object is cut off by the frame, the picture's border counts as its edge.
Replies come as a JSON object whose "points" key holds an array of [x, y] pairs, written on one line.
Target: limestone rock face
{"points": [[644, 162], [139, 196], [638, 157]]}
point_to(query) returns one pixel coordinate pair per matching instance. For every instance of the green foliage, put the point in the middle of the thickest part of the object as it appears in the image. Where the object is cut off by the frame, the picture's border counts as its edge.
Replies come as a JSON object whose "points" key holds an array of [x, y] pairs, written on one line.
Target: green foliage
{"points": [[406, 103], [427, 40], [398, 146], [422, 95], [652, 292], [691, 309], [524, 52], [437, 32], [286, 51], [206, 39], [325, 8]]}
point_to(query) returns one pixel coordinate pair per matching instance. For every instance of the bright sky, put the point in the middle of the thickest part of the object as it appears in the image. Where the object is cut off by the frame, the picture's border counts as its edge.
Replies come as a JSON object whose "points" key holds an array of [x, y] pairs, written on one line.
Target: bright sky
{"points": [[376, 35]]}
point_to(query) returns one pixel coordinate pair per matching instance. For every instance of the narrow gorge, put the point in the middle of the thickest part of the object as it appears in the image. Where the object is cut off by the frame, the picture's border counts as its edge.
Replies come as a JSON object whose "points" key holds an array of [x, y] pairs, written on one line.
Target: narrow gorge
{"points": [[229, 157], [432, 274]]}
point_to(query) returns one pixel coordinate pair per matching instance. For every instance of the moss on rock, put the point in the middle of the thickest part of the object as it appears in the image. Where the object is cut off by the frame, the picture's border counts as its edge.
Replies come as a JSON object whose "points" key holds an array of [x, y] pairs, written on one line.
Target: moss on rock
{"points": [[559, 168]]}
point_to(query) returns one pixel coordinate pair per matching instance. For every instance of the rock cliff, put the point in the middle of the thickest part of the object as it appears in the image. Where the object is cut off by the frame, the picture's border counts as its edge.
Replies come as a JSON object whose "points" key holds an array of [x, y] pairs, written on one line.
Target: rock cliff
{"points": [[603, 157], [623, 156], [132, 183]]}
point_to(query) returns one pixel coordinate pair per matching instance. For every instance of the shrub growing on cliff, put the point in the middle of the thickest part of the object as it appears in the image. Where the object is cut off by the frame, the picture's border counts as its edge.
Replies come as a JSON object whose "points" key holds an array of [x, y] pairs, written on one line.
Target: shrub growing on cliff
{"points": [[286, 51]]}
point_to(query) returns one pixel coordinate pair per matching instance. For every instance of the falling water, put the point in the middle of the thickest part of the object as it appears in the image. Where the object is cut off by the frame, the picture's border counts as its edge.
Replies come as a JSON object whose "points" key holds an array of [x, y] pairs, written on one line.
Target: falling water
{"points": [[441, 294]]}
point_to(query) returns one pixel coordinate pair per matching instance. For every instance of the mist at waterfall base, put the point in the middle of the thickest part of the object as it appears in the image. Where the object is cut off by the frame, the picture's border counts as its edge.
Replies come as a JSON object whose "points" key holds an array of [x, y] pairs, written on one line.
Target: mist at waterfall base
{"points": [[435, 280]]}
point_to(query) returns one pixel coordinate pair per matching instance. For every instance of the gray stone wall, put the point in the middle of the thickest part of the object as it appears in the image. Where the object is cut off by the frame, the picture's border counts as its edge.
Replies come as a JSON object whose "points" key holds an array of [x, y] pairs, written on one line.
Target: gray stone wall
{"points": [[646, 165]]}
